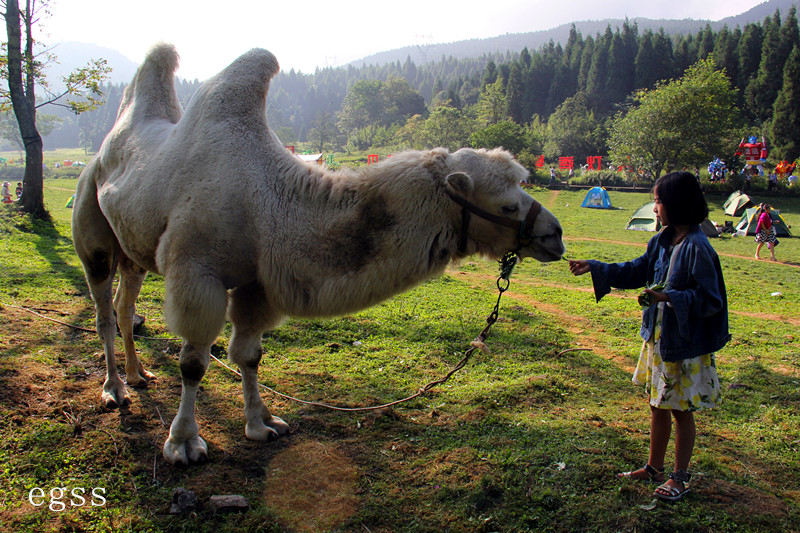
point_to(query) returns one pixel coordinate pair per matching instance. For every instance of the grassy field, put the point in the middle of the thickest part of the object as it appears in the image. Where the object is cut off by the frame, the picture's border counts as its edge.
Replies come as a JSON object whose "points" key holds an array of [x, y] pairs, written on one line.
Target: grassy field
{"points": [[527, 437]]}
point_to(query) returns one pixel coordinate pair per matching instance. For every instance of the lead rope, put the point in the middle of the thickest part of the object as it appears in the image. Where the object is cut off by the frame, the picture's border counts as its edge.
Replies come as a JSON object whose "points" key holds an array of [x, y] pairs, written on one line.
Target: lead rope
{"points": [[507, 264]]}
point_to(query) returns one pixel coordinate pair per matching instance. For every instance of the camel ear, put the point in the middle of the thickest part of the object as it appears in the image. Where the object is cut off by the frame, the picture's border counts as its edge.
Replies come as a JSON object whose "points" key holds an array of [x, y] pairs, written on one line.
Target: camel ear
{"points": [[460, 182]]}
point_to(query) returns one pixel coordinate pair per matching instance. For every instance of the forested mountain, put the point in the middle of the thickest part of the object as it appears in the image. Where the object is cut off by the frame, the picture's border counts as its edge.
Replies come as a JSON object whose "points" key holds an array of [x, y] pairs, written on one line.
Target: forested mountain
{"points": [[423, 52], [604, 67]]}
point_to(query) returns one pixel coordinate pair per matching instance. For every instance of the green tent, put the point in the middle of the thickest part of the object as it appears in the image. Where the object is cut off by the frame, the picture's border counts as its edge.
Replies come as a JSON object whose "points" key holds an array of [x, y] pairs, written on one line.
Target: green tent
{"points": [[644, 219], [70, 202], [737, 202], [749, 221]]}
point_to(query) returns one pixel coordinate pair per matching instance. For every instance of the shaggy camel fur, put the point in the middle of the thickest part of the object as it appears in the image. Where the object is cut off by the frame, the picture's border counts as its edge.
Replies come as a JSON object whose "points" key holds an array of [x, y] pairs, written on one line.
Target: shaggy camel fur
{"points": [[241, 229]]}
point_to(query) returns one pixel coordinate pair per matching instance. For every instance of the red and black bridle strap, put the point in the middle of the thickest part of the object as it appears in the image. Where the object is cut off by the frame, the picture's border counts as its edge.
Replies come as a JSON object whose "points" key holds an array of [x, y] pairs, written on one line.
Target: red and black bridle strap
{"points": [[523, 228]]}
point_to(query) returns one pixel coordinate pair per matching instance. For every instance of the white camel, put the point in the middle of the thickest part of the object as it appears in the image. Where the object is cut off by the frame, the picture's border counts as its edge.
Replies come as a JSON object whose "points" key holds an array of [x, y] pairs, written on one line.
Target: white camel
{"points": [[241, 229]]}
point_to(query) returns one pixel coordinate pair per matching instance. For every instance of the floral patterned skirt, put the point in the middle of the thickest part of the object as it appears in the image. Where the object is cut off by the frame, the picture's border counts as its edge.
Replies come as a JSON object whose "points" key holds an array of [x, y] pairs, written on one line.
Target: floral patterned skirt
{"points": [[686, 385]]}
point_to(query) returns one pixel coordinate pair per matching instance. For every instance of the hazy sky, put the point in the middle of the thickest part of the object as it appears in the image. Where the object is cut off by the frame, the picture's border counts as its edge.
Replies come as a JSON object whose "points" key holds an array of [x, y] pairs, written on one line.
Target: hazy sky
{"points": [[314, 33]]}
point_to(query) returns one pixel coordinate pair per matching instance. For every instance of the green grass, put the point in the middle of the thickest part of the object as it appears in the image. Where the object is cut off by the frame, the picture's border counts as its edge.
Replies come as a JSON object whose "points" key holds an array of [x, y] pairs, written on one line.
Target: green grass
{"points": [[526, 437]]}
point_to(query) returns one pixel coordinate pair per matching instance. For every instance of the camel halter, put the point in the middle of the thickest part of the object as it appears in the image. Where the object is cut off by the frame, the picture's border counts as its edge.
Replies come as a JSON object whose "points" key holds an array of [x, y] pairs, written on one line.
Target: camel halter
{"points": [[523, 227]]}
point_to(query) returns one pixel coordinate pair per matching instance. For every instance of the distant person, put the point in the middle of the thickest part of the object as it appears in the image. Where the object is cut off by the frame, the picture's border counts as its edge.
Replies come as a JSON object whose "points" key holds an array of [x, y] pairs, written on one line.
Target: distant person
{"points": [[765, 232], [684, 321], [19, 190], [772, 185], [747, 183], [5, 191], [552, 176], [571, 173]]}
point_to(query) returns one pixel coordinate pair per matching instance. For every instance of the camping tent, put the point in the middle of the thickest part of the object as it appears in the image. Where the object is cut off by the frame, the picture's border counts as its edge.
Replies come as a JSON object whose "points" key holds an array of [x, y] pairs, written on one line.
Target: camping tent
{"points": [[645, 219], [598, 198], [749, 221], [709, 228], [737, 202]]}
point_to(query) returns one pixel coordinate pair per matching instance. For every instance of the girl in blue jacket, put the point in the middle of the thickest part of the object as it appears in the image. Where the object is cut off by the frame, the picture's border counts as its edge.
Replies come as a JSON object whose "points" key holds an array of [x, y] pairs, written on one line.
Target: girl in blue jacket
{"points": [[685, 320]]}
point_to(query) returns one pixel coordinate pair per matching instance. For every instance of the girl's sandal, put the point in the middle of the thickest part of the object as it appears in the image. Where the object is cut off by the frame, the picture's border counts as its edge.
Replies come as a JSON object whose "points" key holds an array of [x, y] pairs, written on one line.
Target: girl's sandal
{"points": [[656, 475], [673, 494]]}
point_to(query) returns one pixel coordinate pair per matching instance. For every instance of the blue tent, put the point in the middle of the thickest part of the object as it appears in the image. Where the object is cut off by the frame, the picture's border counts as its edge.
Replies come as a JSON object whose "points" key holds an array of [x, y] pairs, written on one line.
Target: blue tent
{"points": [[597, 197]]}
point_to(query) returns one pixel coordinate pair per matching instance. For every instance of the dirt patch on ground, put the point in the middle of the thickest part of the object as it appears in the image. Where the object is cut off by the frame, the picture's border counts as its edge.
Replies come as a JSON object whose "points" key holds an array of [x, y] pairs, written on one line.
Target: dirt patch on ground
{"points": [[551, 199], [312, 486]]}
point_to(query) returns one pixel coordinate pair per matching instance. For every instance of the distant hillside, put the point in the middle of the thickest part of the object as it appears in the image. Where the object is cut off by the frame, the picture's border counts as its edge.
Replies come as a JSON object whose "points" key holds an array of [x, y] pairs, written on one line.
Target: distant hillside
{"points": [[515, 42], [73, 55]]}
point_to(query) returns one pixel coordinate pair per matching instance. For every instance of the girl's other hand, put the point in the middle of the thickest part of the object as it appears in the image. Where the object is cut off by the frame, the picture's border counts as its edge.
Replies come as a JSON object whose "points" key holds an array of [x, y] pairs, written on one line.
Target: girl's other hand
{"points": [[657, 296], [579, 267]]}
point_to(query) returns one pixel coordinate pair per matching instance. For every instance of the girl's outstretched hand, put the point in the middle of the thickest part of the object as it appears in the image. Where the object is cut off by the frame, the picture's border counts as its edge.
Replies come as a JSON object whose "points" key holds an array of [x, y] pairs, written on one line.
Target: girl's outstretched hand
{"points": [[579, 267]]}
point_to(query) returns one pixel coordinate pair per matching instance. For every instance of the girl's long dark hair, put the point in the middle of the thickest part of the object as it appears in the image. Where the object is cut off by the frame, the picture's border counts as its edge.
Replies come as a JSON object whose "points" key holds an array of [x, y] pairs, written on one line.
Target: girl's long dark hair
{"points": [[682, 198]]}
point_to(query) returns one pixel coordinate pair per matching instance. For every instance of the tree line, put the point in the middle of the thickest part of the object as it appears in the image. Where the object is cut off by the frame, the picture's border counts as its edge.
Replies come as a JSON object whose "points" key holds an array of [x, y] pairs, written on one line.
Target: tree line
{"points": [[557, 100]]}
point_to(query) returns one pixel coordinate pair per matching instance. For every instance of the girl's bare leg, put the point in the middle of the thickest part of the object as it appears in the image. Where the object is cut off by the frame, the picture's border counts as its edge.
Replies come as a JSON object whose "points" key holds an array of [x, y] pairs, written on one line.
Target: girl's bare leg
{"points": [[660, 430]]}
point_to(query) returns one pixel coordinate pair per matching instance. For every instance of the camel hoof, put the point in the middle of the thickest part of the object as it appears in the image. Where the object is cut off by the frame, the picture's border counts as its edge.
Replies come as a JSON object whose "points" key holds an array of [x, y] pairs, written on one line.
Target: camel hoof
{"points": [[270, 429], [114, 397], [140, 379], [278, 425], [185, 453]]}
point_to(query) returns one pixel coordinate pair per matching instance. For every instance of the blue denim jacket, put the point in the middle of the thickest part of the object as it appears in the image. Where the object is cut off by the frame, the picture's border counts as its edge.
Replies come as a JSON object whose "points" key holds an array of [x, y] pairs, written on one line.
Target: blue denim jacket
{"points": [[695, 322]]}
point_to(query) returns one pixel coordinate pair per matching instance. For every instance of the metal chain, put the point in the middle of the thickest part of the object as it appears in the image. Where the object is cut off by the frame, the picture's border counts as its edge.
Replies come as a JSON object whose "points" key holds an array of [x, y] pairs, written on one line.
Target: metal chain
{"points": [[507, 264]]}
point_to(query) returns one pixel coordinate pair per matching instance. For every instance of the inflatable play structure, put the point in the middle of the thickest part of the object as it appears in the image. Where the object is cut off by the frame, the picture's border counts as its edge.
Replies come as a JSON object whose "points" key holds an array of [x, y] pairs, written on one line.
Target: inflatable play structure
{"points": [[645, 219], [749, 221], [717, 170], [784, 168], [597, 198], [755, 153], [737, 202]]}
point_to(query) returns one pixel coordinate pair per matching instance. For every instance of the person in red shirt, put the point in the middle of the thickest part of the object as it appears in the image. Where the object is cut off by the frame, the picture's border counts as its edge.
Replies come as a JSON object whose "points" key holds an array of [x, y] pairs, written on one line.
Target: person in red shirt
{"points": [[765, 232]]}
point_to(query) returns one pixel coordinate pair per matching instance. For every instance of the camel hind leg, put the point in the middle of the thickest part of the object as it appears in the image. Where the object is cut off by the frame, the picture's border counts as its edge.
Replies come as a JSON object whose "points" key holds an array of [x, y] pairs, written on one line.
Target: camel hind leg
{"points": [[131, 277], [99, 251], [250, 316]]}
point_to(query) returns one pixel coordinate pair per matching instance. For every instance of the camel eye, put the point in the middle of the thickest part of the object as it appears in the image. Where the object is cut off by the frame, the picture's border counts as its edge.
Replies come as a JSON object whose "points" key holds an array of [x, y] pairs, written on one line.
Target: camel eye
{"points": [[510, 209]]}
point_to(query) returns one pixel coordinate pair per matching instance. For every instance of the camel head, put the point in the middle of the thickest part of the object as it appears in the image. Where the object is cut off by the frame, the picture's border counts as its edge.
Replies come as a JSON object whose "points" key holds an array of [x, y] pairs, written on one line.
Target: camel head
{"points": [[497, 215]]}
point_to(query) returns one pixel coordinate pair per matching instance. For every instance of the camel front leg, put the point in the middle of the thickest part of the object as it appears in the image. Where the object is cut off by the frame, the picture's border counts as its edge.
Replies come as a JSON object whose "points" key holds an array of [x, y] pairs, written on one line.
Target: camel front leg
{"points": [[250, 315], [184, 444], [245, 351], [130, 283]]}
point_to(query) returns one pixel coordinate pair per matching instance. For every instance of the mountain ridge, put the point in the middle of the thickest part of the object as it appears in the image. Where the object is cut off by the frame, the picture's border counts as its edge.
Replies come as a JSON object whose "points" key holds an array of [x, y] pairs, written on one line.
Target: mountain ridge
{"points": [[515, 42], [123, 68]]}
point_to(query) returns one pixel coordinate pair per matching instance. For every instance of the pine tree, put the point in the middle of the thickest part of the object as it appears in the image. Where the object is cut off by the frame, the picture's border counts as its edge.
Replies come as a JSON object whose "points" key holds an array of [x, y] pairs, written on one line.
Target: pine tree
{"points": [[685, 54], [786, 112], [749, 53], [489, 74], [789, 36], [706, 42], [515, 93], [621, 69], [725, 52], [762, 90], [645, 73], [596, 82]]}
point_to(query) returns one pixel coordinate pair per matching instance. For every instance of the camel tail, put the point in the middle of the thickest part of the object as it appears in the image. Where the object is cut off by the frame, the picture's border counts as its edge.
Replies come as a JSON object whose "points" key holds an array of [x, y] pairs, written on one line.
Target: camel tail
{"points": [[151, 95]]}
